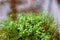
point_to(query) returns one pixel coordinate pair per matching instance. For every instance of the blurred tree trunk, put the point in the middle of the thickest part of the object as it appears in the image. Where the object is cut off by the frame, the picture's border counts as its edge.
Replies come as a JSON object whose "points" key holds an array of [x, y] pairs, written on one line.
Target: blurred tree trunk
{"points": [[58, 3], [13, 13]]}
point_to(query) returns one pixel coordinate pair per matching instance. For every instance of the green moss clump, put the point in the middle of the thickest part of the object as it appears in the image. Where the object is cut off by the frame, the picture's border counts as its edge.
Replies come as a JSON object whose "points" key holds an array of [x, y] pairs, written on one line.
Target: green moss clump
{"points": [[30, 27]]}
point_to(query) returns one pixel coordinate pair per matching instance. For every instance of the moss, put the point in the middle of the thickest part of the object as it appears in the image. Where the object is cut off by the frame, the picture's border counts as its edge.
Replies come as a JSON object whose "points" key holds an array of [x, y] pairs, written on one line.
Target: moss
{"points": [[30, 27]]}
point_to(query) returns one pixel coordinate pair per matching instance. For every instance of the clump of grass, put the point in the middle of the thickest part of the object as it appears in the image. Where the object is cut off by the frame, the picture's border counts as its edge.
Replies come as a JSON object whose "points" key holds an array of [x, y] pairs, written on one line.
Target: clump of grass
{"points": [[30, 27]]}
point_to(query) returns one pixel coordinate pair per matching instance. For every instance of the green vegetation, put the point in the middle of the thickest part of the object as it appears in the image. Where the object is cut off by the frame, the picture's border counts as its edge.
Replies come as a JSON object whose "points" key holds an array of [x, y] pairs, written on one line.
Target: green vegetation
{"points": [[29, 27]]}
